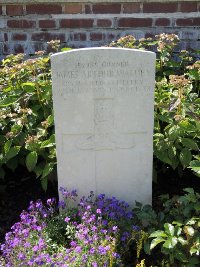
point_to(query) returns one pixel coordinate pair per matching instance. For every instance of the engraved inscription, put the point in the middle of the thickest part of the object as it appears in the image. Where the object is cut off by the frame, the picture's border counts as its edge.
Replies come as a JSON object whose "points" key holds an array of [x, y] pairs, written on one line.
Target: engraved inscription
{"points": [[104, 79]]}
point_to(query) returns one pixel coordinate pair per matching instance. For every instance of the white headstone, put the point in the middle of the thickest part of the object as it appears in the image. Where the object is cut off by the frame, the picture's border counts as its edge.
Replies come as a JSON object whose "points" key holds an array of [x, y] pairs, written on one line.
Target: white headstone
{"points": [[103, 105]]}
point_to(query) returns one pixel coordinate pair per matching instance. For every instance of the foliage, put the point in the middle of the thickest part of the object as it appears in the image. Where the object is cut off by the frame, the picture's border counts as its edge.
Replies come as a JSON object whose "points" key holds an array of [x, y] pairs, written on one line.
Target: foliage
{"points": [[98, 232], [177, 101], [173, 233], [26, 116]]}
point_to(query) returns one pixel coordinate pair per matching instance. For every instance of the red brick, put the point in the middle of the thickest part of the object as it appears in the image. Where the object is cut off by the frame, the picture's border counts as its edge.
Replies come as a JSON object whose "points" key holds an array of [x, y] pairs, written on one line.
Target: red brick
{"points": [[14, 10], [149, 35], [106, 8], [162, 22], [104, 23], [156, 7], [47, 23], [21, 24], [188, 6], [39, 47], [73, 9], [19, 37], [112, 36], [18, 48], [96, 36], [43, 9], [188, 22], [47, 36], [135, 22], [88, 9], [131, 8], [76, 23], [79, 36]]}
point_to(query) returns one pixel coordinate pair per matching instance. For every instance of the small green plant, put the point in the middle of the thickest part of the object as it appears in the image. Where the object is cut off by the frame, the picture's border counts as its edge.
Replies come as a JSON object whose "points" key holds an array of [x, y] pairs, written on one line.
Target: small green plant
{"points": [[172, 233]]}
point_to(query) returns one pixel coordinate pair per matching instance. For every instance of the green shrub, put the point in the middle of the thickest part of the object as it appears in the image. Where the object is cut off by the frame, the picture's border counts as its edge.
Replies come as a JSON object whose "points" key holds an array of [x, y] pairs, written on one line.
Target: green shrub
{"points": [[26, 115]]}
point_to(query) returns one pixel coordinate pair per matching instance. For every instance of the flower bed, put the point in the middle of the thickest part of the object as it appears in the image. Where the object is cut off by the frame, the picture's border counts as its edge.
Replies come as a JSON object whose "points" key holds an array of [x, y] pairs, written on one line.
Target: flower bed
{"points": [[100, 232]]}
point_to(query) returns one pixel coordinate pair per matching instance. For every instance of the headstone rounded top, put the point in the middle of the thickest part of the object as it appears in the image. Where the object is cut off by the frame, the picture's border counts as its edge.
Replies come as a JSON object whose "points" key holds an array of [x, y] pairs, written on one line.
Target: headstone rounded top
{"points": [[103, 50]]}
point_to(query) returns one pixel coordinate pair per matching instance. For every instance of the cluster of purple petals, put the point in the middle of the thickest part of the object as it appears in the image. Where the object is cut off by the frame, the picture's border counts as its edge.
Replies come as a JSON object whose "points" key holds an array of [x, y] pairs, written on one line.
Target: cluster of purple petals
{"points": [[97, 233]]}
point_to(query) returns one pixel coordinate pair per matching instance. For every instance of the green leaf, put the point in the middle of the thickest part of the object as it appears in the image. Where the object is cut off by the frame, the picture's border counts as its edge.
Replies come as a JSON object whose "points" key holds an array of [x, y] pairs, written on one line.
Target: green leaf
{"points": [[31, 160], [12, 152], [189, 143], [65, 49], [189, 190], [195, 165], [16, 129], [185, 157], [50, 120], [155, 242], [9, 101], [47, 169], [44, 183], [48, 143], [169, 228], [7, 146], [29, 87], [170, 243], [158, 233], [182, 241], [174, 132]]}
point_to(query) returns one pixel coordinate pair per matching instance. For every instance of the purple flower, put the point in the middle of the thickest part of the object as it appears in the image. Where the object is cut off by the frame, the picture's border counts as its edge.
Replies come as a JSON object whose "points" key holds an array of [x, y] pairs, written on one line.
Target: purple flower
{"points": [[67, 219]]}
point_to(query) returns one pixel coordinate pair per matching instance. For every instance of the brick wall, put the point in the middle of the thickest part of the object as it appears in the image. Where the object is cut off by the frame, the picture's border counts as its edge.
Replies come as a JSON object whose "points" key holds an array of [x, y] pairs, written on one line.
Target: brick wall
{"points": [[27, 27]]}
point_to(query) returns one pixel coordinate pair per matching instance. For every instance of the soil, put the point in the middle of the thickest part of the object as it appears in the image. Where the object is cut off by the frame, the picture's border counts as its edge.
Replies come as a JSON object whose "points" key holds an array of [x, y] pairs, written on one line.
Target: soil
{"points": [[17, 192]]}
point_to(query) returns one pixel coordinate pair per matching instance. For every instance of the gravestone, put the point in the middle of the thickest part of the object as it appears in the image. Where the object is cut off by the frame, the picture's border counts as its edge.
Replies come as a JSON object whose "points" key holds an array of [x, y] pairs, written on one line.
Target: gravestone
{"points": [[103, 106]]}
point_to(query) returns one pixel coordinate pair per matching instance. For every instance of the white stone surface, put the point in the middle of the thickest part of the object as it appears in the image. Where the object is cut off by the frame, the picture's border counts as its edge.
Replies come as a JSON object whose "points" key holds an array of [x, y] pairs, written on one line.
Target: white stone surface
{"points": [[103, 105]]}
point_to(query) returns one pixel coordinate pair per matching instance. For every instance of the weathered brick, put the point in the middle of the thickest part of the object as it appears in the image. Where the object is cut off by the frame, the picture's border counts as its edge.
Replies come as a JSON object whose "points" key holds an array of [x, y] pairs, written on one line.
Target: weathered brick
{"points": [[162, 22], [43, 9], [19, 37], [79, 36], [47, 36], [188, 22], [104, 23], [106, 8], [14, 10], [156, 7], [47, 24], [18, 48], [76, 23], [135, 22], [112, 36], [88, 9], [73, 9], [21, 23], [131, 8], [188, 6], [96, 36]]}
